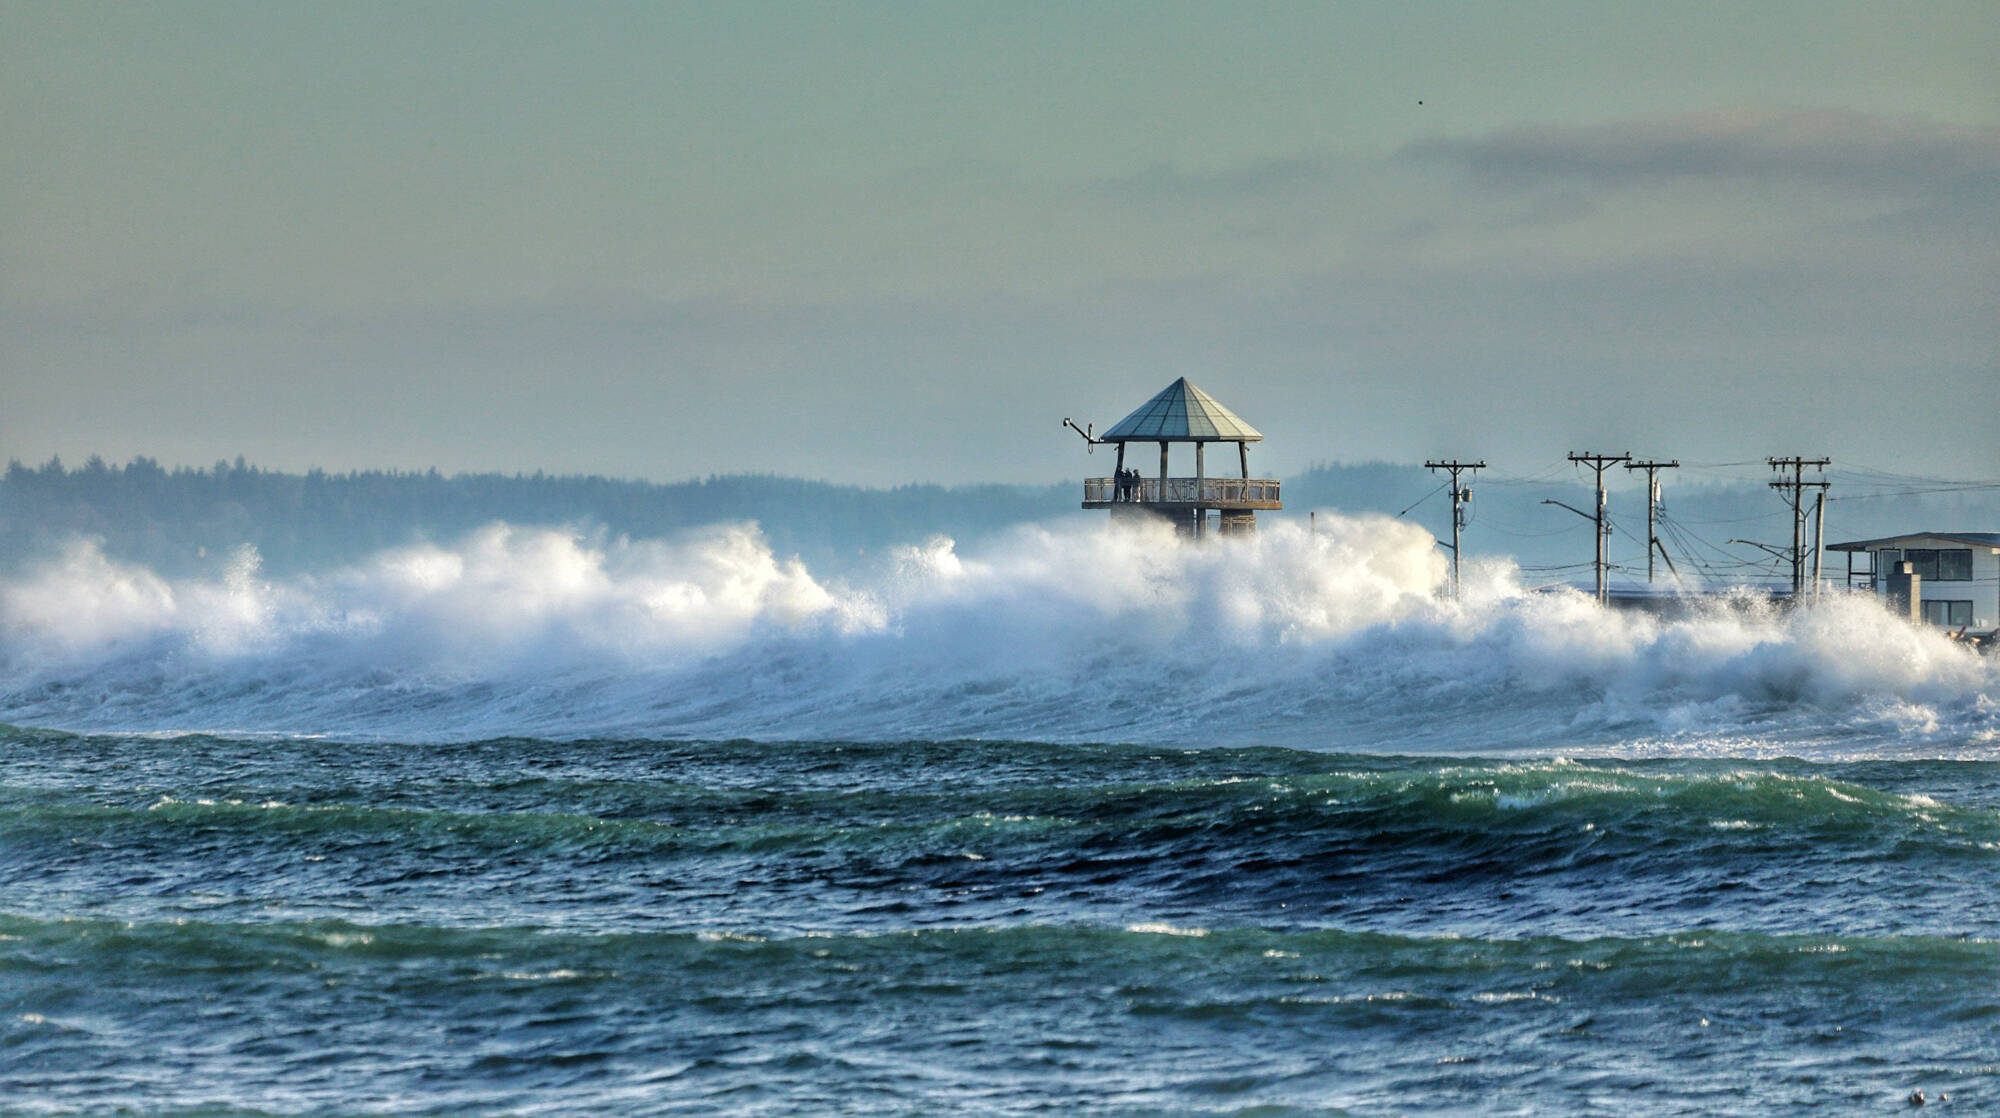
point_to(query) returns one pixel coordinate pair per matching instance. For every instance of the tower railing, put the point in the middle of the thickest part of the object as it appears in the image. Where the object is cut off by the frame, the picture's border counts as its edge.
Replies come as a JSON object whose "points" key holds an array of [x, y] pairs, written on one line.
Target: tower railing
{"points": [[1214, 492]]}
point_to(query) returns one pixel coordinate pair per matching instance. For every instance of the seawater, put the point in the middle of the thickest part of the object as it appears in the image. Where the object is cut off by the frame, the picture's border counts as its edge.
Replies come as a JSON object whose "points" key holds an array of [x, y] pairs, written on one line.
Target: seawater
{"points": [[523, 825]]}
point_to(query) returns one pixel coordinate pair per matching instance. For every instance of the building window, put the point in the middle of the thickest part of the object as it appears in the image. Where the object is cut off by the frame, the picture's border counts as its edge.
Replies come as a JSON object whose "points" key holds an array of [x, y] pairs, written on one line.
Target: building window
{"points": [[1946, 565], [1951, 615], [1955, 565], [1885, 564]]}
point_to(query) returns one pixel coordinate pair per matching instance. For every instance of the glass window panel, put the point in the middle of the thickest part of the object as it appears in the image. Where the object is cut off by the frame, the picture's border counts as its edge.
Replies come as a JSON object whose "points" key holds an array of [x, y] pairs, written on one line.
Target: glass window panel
{"points": [[1924, 561], [1955, 565], [1952, 614]]}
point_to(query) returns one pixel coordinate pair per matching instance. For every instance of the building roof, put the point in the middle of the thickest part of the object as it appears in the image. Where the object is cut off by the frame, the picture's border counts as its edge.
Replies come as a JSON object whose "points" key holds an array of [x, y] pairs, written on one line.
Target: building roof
{"points": [[1976, 539], [1182, 413]]}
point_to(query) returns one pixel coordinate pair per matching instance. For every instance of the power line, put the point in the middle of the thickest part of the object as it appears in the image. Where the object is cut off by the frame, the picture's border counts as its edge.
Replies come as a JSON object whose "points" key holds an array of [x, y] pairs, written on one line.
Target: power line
{"points": [[1733, 519], [1914, 491], [1422, 499], [1692, 544]]}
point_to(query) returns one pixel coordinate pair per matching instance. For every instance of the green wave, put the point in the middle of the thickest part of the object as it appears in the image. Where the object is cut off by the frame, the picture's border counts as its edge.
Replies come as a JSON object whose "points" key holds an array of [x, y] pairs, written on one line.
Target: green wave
{"points": [[1715, 804], [196, 946]]}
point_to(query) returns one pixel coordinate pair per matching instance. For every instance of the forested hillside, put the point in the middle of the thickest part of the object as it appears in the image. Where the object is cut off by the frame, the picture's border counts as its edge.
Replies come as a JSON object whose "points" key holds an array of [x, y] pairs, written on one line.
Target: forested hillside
{"points": [[181, 520]]}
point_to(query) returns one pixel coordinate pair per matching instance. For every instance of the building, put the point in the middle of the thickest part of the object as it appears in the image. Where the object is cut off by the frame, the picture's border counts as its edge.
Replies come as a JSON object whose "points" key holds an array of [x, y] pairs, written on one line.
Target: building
{"points": [[1957, 574], [1182, 413]]}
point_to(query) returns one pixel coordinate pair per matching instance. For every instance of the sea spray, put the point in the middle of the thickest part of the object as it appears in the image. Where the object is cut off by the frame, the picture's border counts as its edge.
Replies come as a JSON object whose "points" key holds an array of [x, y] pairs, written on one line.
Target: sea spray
{"points": [[1074, 631]]}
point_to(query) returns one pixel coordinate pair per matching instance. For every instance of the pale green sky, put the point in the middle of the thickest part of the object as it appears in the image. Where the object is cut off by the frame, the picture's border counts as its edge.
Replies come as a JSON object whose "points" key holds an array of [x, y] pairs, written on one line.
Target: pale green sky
{"points": [[886, 243]]}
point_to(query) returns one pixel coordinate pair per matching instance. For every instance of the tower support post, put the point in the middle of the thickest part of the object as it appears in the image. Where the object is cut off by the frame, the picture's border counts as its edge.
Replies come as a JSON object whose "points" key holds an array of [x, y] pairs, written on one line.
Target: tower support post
{"points": [[1200, 469]]}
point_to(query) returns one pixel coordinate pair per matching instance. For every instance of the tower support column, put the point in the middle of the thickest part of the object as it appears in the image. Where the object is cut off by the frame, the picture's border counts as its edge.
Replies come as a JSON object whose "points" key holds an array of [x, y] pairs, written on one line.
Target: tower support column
{"points": [[1200, 513]]}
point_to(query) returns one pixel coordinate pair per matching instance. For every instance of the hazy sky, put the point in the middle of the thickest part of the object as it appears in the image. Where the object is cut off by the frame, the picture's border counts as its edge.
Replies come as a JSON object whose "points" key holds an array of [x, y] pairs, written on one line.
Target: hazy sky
{"points": [[900, 242]]}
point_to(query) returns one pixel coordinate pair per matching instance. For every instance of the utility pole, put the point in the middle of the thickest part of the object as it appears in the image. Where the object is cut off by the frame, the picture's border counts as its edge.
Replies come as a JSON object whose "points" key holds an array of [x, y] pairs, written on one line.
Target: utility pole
{"points": [[1798, 484], [1819, 539], [1652, 506], [1459, 496], [1601, 463]]}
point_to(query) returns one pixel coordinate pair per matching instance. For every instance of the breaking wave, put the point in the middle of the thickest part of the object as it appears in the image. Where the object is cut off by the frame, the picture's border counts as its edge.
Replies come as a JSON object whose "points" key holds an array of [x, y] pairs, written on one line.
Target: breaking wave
{"points": [[1335, 638]]}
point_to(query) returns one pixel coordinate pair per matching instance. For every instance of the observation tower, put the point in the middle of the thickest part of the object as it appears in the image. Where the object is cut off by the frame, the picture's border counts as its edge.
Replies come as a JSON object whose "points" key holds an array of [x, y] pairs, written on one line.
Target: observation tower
{"points": [[1182, 413]]}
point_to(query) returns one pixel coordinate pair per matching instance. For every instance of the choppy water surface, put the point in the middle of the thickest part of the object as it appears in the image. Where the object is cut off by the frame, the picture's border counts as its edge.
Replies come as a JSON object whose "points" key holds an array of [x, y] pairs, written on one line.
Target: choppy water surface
{"points": [[216, 924]]}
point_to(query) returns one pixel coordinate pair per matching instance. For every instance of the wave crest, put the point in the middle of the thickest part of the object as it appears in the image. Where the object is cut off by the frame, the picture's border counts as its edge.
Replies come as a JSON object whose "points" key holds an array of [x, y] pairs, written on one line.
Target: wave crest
{"points": [[1063, 632]]}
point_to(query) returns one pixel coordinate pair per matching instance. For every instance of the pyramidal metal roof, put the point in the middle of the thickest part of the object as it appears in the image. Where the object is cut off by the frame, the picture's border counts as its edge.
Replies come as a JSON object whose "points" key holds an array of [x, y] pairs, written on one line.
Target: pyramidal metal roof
{"points": [[1180, 412]]}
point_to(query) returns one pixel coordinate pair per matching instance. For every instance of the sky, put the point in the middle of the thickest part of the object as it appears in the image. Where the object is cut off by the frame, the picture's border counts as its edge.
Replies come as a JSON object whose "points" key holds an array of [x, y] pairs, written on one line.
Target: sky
{"points": [[892, 243]]}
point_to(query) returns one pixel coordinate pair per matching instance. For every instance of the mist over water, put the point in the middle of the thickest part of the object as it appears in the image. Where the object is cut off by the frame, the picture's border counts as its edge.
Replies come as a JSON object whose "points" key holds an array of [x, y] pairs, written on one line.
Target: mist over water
{"points": [[1337, 638]]}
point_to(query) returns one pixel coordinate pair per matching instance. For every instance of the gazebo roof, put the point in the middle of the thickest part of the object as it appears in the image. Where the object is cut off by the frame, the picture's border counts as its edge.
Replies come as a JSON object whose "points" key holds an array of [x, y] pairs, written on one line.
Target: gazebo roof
{"points": [[1182, 413]]}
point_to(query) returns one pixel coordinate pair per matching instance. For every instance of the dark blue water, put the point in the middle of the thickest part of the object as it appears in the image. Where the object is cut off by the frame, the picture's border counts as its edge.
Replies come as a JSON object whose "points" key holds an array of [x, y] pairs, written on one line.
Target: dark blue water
{"points": [[275, 925]]}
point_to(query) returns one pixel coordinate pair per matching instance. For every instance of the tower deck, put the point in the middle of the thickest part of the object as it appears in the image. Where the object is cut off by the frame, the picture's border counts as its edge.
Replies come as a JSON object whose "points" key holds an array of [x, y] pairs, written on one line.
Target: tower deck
{"points": [[1182, 493]]}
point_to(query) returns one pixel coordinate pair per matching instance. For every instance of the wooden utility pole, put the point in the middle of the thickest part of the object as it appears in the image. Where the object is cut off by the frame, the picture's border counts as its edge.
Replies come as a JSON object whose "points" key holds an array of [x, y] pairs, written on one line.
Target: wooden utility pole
{"points": [[1459, 496], [1601, 463], [1798, 484], [1819, 540], [1652, 507]]}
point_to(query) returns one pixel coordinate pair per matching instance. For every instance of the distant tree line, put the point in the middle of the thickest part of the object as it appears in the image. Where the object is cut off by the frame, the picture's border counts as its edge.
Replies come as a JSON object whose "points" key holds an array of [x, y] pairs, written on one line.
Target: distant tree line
{"points": [[186, 519]]}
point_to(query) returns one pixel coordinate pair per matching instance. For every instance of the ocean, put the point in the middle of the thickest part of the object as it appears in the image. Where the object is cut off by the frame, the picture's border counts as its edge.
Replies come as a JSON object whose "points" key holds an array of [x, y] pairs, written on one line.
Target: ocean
{"points": [[1085, 822]]}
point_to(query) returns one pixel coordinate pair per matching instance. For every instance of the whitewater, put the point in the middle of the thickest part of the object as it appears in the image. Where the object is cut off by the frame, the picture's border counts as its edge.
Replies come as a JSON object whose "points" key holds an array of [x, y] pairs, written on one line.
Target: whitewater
{"points": [[1334, 638], [1079, 818]]}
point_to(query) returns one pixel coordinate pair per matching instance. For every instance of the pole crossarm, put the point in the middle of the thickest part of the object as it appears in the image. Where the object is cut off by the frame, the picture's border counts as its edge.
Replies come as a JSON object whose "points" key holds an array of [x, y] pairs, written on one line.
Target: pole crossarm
{"points": [[1459, 496]]}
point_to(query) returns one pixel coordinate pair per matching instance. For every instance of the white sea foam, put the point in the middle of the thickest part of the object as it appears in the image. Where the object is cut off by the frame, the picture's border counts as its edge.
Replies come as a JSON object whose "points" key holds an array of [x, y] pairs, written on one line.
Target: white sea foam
{"points": [[1081, 631]]}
